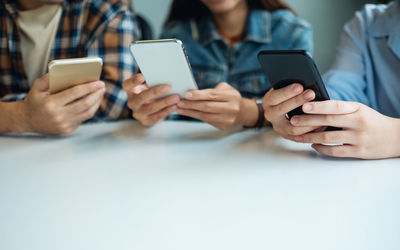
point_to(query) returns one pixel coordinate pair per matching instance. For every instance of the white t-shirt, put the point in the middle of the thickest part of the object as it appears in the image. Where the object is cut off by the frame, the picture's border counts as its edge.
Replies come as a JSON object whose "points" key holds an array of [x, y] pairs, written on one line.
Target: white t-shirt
{"points": [[38, 30]]}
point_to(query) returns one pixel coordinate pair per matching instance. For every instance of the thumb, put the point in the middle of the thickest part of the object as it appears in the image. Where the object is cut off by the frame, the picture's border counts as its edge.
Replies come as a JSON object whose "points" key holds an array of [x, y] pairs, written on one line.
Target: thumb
{"points": [[133, 82], [41, 84], [223, 85]]}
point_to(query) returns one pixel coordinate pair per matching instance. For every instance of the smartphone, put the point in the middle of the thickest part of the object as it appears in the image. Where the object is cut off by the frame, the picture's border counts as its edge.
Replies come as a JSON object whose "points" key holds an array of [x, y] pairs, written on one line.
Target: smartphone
{"points": [[164, 62], [285, 67], [67, 73]]}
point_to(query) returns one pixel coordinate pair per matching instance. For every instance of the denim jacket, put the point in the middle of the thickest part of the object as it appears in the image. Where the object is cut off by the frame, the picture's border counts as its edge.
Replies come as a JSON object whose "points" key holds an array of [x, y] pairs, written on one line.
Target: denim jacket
{"points": [[214, 61]]}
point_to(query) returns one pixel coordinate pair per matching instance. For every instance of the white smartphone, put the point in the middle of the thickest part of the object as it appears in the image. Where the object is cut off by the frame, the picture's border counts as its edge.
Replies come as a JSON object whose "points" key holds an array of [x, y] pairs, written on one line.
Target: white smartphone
{"points": [[66, 73], [164, 62]]}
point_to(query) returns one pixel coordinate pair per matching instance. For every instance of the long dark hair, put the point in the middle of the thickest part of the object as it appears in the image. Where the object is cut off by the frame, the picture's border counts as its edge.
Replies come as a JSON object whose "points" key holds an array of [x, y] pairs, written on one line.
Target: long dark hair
{"points": [[184, 10]]}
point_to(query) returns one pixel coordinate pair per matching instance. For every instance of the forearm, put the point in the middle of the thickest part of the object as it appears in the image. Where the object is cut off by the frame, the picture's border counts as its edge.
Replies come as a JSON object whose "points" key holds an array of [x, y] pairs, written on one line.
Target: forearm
{"points": [[11, 117]]}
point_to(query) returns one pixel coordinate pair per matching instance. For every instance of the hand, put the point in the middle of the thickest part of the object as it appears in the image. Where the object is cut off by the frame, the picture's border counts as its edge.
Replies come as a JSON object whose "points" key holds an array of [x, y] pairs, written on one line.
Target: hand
{"points": [[223, 107], [366, 133], [63, 112], [277, 103], [143, 102]]}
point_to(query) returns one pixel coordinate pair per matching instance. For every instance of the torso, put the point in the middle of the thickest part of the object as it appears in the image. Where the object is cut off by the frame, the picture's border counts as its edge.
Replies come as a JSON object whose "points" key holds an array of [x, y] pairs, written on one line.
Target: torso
{"points": [[213, 60]]}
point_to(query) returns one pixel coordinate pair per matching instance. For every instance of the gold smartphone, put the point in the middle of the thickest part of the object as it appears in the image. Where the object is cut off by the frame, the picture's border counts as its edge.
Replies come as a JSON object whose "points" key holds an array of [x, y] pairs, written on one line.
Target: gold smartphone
{"points": [[67, 73]]}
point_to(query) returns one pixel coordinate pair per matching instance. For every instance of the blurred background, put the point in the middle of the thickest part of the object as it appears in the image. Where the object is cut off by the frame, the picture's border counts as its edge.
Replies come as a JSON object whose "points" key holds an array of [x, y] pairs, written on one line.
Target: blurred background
{"points": [[326, 16]]}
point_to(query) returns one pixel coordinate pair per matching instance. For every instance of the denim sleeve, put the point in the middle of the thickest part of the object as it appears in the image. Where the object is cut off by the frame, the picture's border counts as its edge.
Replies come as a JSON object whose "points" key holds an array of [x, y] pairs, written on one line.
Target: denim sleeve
{"points": [[346, 79], [166, 32], [304, 40]]}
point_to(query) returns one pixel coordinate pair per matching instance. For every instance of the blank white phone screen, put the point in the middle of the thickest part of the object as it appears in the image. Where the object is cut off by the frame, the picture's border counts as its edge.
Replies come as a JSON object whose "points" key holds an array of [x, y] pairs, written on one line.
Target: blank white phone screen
{"points": [[164, 62]]}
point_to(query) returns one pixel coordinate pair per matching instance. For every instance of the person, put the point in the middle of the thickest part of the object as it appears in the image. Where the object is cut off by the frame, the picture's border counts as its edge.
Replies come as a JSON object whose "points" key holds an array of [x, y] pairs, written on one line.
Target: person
{"points": [[33, 32], [364, 83], [222, 39]]}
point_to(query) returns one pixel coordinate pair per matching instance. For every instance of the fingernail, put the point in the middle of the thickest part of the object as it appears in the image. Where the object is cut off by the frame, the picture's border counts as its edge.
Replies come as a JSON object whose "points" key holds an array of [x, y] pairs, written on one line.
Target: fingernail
{"points": [[103, 90], [295, 120], [181, 104], [179, 111], [299, 138], [188, 95], [99, 84], [165, 89], [174, 108], [297, 89], [307, 107], [308, 95]]}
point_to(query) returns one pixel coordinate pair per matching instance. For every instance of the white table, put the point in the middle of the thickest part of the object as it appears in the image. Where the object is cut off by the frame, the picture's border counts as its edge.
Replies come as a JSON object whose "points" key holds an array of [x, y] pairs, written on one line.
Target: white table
{"points": [[183, 186]]}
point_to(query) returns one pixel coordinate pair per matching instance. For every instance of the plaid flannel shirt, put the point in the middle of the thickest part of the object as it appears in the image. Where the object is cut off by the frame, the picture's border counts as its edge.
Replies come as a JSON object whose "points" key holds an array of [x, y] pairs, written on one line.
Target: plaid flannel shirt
{"points": [[102, 28]]}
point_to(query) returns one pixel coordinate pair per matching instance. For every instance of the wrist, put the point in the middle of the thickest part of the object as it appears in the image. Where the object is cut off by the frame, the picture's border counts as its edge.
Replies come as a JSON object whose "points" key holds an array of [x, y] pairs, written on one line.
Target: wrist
{"points": [[13, 118], [248, 112]]}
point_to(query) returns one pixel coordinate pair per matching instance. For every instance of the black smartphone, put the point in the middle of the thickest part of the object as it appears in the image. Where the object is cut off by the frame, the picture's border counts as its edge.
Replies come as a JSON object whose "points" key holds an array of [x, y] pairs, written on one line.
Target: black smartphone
{"points": [[285, 67]]}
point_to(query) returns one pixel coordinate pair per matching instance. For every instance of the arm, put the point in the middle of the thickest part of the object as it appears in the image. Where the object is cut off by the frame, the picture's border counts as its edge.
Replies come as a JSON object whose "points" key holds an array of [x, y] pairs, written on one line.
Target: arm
{"points": [[13, 97], [11, 117], [303, 39], [112, 44], [346, 79], [43, 113]]}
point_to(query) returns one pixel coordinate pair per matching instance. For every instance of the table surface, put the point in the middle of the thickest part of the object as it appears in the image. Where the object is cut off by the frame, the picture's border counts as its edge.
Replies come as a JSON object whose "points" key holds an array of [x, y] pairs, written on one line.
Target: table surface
{"points": [[185, 185]]}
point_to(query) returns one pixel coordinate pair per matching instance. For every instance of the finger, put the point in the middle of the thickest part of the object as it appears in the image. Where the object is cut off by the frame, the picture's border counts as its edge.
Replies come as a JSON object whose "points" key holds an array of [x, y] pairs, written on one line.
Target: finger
{"points": [[207, 106], [297, 131], [77, 92], [149, 95], [159, 116], [339, 121], [223, 85], [156, 106], [206, 117], [328, 137], [331, 107], [208, 95], [86, 114], [278, 96], [291, 104], [85, 103], [133, 82], [138, 89], [336, 151], [42, 84]]}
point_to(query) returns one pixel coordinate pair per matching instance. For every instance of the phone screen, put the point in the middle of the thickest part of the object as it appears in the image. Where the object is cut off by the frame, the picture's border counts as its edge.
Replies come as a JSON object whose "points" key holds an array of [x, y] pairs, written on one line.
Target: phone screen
{"points": [[164, 62]]}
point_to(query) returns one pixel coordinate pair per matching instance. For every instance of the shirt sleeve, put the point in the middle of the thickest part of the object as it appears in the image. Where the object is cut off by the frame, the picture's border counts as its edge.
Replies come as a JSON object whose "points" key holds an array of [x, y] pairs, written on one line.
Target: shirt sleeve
{"points": [[112, 45], [13, 97], [346, 79]]}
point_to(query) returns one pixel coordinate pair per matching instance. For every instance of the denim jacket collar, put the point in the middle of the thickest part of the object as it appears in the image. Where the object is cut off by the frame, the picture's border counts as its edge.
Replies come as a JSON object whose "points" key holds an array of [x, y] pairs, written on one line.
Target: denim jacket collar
{"points": [[258, 28], [388, 25]]}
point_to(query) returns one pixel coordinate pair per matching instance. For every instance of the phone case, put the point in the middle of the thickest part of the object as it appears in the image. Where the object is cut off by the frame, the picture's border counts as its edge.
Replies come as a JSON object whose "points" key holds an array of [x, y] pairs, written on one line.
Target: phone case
{"points": [[66, 73], [285, 67], [164, 62]]}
